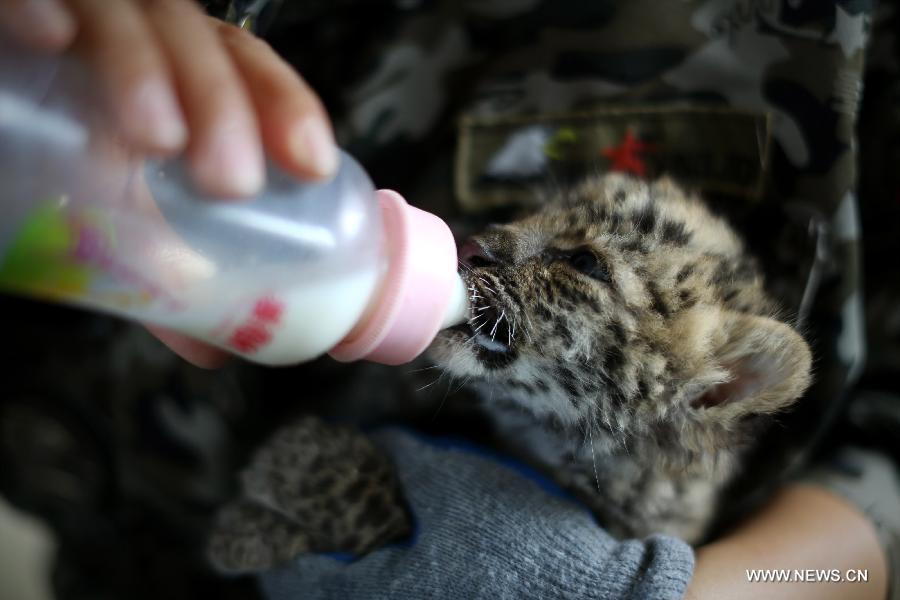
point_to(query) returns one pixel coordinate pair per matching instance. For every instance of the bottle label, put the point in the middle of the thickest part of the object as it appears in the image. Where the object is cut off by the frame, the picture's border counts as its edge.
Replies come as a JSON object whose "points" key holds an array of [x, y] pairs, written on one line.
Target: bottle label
{"points": [[255, 331], [70, 255]]}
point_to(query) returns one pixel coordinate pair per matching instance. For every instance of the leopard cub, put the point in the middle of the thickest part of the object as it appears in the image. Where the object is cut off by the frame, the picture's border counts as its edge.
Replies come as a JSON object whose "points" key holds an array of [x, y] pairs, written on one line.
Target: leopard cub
{"points": [[620, 339], [624, 343]]}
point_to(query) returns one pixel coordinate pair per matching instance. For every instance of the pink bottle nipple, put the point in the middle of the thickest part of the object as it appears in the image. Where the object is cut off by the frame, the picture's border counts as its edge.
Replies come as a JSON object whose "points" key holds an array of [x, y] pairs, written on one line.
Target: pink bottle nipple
{"points": [[416, 292]]}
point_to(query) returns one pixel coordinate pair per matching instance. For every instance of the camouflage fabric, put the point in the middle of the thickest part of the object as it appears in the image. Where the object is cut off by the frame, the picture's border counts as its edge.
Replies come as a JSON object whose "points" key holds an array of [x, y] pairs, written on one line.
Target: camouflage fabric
{"points": [[470, 108], [875, 417], [529, 94]]}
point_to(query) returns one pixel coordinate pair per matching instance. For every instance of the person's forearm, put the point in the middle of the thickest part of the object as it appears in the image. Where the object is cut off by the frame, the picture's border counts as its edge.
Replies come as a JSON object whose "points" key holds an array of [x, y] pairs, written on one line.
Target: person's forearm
{"points": [[804, 527]]}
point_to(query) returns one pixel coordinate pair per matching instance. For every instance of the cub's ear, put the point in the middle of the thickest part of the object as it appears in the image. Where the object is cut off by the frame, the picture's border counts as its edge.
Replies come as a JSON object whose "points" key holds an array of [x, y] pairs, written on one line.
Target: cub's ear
{"points": [[759, 365]]}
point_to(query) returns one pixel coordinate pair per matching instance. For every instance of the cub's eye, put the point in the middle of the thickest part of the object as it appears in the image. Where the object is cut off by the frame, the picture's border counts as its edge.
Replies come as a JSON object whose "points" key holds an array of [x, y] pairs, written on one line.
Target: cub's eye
{"points": [[585, 261]]}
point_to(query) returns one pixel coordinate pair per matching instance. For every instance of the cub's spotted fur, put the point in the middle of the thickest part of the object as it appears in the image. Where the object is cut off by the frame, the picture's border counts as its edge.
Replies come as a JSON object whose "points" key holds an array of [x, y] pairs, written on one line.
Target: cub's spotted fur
{"points": [[621, 340], [627, 344]]}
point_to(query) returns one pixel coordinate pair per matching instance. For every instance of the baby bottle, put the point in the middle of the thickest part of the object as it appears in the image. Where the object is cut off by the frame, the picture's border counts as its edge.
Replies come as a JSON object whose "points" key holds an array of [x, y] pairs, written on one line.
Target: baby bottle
{"points": [[300, 270]]}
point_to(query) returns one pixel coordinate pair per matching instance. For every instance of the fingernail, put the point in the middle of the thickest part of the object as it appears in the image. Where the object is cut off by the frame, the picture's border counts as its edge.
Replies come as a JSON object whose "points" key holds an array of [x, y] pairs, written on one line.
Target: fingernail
{"points": [[48, 18], [159, 117], [313, 145], [234, 163]]}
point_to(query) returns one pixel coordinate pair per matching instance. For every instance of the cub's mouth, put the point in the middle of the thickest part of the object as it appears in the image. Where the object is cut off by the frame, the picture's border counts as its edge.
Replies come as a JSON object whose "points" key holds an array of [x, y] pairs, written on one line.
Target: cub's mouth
{"points": [[489, 330]]}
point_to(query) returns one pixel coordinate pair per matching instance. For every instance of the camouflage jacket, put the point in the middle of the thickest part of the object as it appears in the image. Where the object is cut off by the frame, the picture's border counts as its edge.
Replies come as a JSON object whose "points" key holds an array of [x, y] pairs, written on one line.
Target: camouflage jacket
{"points": [[466, 107]]}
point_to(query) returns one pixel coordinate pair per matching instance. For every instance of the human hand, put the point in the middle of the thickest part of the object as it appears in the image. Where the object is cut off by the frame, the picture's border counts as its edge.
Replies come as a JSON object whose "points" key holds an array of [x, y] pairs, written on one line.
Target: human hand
{"points": [[805, 526], [178, 80]]}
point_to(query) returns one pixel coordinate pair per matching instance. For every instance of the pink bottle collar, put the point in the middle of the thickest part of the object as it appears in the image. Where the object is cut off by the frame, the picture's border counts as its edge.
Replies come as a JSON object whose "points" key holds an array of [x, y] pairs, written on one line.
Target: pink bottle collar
{"points": [[416, 291]]}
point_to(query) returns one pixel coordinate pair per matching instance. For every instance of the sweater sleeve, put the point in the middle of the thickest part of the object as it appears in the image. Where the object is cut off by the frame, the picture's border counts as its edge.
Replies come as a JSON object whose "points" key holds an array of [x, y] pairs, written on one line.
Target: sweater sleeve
{"points": [[485, 528]]}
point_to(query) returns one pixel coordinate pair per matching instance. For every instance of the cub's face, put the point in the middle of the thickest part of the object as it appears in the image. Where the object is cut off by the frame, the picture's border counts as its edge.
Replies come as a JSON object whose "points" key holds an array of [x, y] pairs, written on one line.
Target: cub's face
{"points": [[624, 305]]}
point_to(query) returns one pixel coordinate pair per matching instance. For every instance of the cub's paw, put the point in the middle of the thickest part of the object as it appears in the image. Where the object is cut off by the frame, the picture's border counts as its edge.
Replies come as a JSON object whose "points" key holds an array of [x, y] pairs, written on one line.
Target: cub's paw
{"points": [[313, 487]]}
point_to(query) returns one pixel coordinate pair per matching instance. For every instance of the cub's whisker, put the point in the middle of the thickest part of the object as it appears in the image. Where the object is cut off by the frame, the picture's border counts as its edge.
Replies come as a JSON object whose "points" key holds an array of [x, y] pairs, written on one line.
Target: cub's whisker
{"points": [[410, 372]]}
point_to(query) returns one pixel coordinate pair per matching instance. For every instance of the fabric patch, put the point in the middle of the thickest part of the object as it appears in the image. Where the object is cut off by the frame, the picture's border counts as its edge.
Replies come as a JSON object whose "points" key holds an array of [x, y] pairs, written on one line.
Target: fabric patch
{"points": [[717, 150]]}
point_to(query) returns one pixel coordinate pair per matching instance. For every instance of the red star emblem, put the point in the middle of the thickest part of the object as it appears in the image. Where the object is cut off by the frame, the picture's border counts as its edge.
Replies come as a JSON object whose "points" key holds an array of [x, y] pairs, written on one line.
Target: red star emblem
{"points": [[626, 156]]}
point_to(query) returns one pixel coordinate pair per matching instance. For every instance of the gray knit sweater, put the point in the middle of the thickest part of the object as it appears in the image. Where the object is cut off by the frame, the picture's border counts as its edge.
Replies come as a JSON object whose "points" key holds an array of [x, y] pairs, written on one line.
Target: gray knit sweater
{"points": [[486, 528]]}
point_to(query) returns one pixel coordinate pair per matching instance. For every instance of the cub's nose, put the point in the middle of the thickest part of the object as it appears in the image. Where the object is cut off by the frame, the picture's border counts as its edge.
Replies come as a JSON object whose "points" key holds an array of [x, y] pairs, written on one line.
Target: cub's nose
{"points": [[474, 254]]}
